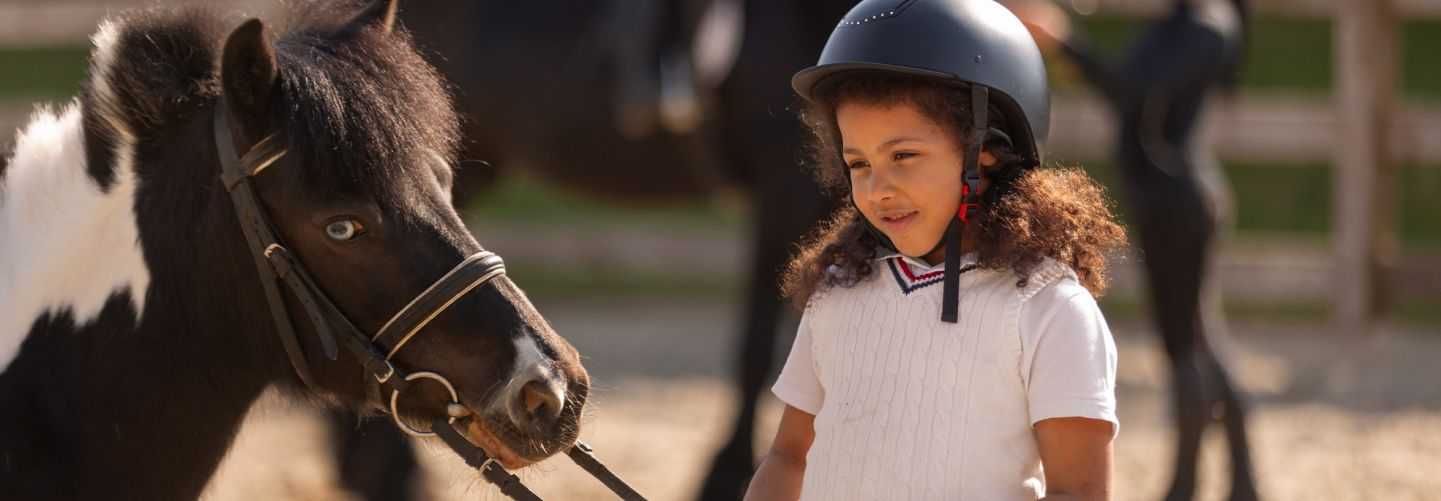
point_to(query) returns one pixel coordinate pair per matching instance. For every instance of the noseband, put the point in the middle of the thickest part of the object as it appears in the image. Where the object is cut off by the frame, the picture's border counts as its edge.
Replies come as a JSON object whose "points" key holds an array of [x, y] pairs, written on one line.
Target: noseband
{"points": [[276, 263]]}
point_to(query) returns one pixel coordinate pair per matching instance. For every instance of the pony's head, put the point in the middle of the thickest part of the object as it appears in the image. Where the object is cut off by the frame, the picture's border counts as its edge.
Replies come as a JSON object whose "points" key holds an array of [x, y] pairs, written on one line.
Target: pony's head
{"points": [[361, 197]]}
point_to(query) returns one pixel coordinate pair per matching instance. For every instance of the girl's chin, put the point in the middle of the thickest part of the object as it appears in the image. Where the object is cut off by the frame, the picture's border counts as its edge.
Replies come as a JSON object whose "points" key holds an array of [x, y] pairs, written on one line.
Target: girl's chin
{"points": [[908, 241], [913, 250]]}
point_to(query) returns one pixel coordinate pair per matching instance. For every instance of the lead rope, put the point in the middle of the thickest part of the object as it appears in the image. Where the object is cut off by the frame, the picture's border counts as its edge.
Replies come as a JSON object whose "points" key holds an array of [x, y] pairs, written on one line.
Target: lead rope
{"points": [[476, 457], [584, 456], [509, 484]]}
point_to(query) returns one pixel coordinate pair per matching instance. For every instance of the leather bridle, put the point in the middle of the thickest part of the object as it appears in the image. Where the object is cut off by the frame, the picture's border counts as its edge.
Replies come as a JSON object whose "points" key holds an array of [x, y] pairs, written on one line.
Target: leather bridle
{"points": [[277, 264]]}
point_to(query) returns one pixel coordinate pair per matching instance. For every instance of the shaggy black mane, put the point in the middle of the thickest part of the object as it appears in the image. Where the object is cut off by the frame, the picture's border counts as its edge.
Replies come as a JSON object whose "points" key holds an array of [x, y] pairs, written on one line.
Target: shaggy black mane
{"points": [[352, 103]]}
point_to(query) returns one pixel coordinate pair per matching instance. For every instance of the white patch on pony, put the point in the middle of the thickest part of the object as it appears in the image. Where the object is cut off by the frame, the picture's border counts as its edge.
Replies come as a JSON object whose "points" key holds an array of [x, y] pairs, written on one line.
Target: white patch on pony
{"points": [[530, 364], [66, 245]]}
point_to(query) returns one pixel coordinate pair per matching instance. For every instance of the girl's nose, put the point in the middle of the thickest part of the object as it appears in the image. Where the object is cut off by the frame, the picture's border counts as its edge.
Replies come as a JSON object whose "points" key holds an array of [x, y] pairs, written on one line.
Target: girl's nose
{"points": [[882, 188]]}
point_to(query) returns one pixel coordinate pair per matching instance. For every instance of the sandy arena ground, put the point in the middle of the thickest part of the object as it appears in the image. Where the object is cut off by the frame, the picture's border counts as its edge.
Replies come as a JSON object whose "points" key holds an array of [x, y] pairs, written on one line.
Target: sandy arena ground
{"points": [[1334, 417]]}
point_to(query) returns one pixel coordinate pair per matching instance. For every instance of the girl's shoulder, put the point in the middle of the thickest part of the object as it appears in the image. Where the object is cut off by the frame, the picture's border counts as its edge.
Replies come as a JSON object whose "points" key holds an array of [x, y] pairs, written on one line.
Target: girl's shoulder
{"points": [[849, 289], [1056, 297], [1050, 279]]}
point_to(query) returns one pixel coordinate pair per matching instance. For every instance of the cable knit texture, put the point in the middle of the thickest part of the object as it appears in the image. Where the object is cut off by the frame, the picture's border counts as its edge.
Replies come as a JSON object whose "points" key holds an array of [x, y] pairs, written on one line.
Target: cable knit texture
{"points": [[909, 407]]}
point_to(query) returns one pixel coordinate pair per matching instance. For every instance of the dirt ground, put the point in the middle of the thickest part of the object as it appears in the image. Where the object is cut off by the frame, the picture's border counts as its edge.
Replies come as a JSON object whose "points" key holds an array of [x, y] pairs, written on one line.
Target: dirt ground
{"points": [[1334, 417]]}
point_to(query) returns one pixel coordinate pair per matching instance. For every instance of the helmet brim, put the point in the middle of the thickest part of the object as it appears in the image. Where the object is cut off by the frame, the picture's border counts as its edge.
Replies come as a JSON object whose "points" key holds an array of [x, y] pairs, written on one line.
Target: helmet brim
{"points": [[808, 81]]}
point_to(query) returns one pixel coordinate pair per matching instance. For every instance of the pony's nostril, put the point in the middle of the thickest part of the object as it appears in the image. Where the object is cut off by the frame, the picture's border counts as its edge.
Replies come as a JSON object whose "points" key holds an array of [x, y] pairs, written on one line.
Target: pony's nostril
{"points": [[541, 401]]}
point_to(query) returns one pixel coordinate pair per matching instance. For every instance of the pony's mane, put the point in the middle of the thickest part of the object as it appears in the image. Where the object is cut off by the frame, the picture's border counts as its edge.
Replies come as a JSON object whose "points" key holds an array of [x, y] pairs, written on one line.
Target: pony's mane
{"points": [[351, 102]]}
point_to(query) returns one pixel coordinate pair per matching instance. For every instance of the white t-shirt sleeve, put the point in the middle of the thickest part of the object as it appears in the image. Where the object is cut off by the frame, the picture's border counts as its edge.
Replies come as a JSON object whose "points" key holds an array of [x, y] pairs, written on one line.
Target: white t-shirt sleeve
{"points": [[1069, 357], [798, 385]]}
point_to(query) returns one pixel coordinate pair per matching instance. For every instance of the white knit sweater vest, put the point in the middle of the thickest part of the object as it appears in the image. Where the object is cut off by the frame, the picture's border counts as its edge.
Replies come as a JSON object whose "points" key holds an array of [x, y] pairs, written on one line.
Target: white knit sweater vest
{"points": [[908, 407]]}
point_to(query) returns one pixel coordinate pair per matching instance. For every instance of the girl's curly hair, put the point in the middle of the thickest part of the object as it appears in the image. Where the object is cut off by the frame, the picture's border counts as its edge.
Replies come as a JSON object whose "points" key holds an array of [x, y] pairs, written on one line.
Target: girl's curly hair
{"points": [[1028, 213]]}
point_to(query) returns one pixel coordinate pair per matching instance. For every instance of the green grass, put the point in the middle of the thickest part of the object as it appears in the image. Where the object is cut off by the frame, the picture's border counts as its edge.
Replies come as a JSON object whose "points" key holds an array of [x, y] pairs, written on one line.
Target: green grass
{"points": [[1287, 55], [1423, 312], [1290, 55], [1296, 199], [50, 74], [1270, 199], [551, 283], [518, 199]]}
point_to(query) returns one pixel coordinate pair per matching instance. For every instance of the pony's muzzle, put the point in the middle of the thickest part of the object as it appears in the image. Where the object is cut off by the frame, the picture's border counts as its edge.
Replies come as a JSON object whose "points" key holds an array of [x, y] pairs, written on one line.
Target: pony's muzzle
{"points": [[538, 400]]}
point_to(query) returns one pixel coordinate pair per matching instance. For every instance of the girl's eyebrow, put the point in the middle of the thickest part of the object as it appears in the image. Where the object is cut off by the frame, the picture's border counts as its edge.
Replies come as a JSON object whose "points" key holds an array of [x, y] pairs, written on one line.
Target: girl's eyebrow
{"points": [[885, 144]]}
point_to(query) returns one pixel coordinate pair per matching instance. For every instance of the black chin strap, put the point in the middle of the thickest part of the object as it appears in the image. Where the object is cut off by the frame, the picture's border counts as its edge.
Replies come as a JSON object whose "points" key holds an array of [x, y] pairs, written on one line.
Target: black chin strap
{"points": [[970, 203]]}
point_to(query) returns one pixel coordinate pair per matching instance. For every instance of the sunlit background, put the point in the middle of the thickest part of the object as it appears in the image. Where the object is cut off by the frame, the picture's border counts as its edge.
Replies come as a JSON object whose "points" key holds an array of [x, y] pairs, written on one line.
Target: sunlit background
{"points": [[652, 294]]}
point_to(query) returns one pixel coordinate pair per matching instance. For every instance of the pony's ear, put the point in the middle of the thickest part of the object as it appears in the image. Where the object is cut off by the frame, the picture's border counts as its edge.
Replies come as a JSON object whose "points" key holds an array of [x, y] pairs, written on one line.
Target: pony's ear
{"points": [[248, 75], [380, 14]]}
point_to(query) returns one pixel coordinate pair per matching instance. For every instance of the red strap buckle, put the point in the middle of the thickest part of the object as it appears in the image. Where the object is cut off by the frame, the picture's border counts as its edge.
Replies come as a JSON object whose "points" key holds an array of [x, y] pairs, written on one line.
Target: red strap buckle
{"points": [[966, 210], [968, 207]]}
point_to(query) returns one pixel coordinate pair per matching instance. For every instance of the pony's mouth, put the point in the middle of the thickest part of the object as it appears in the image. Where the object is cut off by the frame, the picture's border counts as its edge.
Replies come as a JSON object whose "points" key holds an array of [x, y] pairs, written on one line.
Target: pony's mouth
{"points": [[496, 448], [509, 446]]}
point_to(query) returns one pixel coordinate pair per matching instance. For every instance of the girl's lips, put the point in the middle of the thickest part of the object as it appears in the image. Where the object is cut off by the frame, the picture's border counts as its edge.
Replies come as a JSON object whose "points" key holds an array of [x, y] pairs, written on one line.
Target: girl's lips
{"points": [[897, 222]]}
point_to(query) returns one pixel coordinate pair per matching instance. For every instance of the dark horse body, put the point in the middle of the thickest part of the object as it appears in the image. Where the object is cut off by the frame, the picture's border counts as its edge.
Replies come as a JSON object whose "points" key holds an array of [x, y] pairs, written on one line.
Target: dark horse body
{"points": [[1180, 203], [536, 83], [134, 334]]}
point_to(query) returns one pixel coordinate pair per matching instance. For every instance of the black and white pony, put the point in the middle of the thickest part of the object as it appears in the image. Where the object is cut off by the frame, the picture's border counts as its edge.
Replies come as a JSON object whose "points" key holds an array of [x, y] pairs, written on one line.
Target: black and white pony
{"points": [[134, 331]]}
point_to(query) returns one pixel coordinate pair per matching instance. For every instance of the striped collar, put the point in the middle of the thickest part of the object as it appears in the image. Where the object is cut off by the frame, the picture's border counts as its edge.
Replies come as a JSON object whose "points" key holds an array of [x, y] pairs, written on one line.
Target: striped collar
{"points": [[913, 274]]}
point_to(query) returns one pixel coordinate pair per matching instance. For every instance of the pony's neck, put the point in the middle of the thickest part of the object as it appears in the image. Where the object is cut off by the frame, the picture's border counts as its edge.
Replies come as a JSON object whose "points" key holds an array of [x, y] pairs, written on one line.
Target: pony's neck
{"points": [[133, 381], [68, 241]]}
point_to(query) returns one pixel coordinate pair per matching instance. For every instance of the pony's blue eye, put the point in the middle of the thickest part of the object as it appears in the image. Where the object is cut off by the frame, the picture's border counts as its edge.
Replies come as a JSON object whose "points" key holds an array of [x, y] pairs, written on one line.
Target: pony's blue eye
{"points": [[344, 229]]}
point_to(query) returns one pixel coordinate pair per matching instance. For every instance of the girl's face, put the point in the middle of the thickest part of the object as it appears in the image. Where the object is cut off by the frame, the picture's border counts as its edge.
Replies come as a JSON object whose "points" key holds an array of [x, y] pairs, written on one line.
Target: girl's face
{"points": [[905, 172]]}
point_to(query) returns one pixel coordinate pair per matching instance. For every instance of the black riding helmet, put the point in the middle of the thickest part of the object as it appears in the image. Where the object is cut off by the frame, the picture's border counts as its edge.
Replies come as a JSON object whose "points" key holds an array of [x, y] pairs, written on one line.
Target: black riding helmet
{"points": [[975, 43]]}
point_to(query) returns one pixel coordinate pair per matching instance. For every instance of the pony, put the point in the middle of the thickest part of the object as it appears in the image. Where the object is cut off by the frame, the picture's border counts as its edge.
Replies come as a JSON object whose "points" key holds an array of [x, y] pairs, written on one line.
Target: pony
{"points": [[135, 331]]}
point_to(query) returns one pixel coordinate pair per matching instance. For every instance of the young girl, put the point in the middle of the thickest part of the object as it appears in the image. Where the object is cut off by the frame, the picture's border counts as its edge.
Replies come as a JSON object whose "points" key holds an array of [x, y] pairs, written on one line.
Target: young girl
{"points": [[951, 346]]}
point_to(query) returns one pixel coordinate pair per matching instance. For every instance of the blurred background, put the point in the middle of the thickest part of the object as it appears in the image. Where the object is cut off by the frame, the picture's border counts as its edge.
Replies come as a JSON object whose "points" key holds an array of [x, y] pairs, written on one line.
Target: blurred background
{"points": [[1345, 387]]}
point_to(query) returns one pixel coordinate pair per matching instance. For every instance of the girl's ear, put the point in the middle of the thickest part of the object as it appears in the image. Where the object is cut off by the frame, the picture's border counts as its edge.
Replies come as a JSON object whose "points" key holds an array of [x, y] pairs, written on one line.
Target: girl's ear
{"points": [[987, 159]]}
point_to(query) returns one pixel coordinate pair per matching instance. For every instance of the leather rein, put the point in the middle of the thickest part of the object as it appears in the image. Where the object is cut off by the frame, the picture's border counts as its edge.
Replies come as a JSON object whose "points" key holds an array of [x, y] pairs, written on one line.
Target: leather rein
{"points": [[278, 265]]}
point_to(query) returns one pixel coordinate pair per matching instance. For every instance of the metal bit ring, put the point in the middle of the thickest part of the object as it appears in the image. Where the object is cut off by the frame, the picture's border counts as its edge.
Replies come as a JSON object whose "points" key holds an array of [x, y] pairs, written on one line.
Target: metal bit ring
{"points": [[395, 398]]}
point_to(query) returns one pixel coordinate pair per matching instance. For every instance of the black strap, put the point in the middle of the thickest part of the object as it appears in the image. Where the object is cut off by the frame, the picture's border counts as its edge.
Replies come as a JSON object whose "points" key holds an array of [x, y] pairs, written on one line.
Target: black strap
{"points": [[950, 285], [307, 292], [970, 196], [471, 273], [476, 457], [584, 457], [510, 485], [258, 235]]}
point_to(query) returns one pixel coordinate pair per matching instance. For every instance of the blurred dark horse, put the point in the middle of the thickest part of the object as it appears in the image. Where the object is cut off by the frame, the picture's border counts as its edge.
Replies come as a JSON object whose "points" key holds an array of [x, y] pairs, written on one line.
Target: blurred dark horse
{"points": [[538, 83], [1179, 200]]}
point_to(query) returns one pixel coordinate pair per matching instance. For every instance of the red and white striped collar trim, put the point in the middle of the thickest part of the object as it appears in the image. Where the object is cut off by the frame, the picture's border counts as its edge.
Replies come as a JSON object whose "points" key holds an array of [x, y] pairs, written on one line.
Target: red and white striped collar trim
{"points": [[912, 274]]}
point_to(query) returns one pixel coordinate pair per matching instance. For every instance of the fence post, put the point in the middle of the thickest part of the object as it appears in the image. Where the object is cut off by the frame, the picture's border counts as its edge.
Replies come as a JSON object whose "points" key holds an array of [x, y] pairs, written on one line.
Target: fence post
{"points": [[1364, 191]]}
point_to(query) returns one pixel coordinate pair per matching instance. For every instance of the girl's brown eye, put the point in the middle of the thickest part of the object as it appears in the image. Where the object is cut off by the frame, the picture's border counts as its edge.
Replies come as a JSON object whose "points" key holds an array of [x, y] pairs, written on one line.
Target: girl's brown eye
{"points": [[858, 164], [344, 229], [902, 155]]}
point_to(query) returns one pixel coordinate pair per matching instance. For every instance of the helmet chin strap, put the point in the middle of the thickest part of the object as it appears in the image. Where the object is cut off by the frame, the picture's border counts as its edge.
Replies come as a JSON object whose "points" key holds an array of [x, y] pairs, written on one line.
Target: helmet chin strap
{"points": [[970, 203]]}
